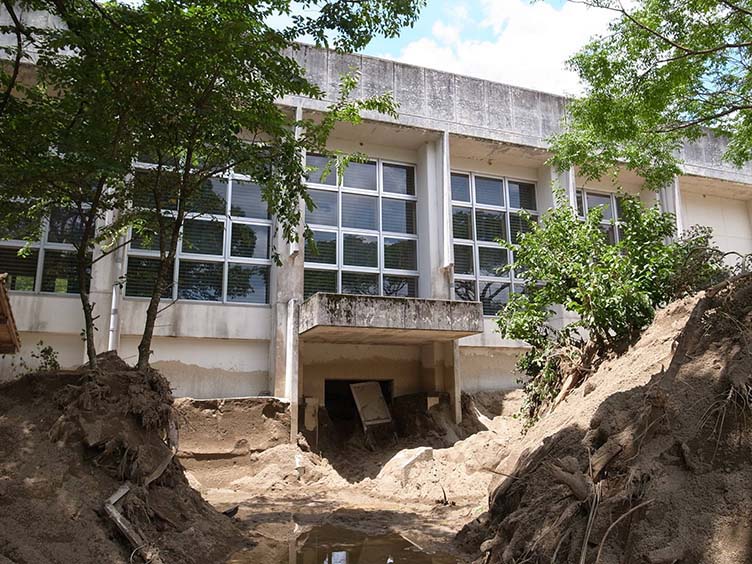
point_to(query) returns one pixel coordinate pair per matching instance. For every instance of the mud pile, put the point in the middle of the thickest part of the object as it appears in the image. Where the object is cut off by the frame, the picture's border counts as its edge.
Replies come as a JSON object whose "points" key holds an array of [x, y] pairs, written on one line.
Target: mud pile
{"points": [[68, 441], [649, 461]]}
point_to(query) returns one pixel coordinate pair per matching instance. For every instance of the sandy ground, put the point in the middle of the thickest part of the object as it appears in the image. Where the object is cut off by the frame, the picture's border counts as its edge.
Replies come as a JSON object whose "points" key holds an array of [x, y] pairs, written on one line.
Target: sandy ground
{"points": [[283, 491]]}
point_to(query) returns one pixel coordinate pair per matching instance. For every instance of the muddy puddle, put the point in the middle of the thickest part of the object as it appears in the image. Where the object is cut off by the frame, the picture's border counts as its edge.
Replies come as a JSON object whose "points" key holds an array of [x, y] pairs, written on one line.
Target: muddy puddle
{"points": [[328, 544]]}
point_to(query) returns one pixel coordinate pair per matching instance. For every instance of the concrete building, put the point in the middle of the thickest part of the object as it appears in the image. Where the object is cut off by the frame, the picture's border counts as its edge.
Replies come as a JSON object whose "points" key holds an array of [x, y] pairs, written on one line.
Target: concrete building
{"points": [[405, 273]]}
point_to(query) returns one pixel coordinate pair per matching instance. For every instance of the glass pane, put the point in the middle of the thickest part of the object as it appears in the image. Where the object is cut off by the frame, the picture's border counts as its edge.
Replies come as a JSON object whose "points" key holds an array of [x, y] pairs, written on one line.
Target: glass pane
{"points": [[608, 231], [360, 283], [522, 195], [519, 226], [59, 273], [580, 204], [493, 296], [397, 216], [462, 223], [247, 200], [325, 210], [595, 200], [66, 226], [360, 250], [490, 259], [319, 281], [401, 254], [360, 175], [461, 187], [211, 197], [326, 248], [463, 259], [399, 179], [249, 241], [203, 237], [401, 286], [22, 271], [248, 284], [200, 281], [320, 174], [619, 207], [146, 182], [490, 226], [360, 212], [464, 290], [149, 240], [141, 277], [489, 191]]}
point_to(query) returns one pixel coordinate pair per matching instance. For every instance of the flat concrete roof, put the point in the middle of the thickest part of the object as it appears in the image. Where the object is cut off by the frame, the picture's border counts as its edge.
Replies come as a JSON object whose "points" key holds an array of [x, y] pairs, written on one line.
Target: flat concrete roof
{"points": [[341, 318]]}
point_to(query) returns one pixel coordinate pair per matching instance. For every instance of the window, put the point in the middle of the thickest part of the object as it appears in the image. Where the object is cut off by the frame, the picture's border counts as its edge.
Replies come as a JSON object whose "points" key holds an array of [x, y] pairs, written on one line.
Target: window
{"points": [[365, 236], [610, 208], [485, 210], [50, 266], [224, 252]]}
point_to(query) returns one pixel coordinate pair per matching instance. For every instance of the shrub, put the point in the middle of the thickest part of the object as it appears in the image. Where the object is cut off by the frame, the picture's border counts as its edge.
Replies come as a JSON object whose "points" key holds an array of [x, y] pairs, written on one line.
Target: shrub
{"points": [[569, 265]]}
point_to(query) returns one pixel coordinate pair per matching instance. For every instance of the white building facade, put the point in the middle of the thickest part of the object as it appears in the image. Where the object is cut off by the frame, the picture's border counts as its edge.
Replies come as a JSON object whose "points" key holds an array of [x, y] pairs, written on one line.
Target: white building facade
{"points": [[407, 235]]}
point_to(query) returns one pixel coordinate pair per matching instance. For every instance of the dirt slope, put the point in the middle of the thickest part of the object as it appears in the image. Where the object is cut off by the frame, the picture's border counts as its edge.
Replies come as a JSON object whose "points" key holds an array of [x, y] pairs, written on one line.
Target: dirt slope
{"points": [[68, 440], [649, 461]]}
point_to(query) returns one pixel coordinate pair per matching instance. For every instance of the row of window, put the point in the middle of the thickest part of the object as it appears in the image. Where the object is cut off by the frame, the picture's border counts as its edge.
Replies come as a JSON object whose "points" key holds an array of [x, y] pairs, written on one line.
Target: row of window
{"points": [[365, 232], [364, 238], [485, 211]]}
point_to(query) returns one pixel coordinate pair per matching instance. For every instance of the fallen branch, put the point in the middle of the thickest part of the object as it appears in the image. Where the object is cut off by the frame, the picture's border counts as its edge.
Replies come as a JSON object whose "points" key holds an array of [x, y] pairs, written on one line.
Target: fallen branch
{"points": [[137, 541]]}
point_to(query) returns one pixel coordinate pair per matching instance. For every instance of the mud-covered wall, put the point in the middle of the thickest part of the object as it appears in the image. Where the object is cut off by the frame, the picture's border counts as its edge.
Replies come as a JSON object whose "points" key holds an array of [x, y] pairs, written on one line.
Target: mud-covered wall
{"points": [[68, 350], [329, 361], [207, 368]]}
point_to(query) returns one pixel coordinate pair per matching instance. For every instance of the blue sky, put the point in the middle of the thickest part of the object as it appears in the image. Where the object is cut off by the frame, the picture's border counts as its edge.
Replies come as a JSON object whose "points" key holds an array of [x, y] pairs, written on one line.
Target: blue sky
{"points": [[515, 41]]}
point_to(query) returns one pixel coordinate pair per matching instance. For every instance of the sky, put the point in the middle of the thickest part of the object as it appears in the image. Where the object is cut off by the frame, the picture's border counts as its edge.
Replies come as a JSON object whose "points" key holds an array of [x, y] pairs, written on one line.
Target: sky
{"points": [[516, 42]]}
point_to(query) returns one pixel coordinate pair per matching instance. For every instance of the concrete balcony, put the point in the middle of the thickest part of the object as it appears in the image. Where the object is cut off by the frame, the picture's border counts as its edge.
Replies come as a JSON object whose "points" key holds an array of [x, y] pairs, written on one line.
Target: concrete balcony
{"points": [[340, 318]]}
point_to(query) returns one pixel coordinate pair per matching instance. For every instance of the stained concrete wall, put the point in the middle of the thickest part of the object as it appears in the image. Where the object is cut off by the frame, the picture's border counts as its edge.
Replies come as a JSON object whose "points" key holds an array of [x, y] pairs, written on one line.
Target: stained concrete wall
{"points": [[487, 369], [731, 219], [207, 368]]}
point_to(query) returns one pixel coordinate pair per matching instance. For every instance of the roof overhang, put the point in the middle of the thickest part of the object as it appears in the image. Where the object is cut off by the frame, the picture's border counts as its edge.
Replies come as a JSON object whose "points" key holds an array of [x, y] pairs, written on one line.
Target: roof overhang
{"points": [[340, 318], [10, 342]]}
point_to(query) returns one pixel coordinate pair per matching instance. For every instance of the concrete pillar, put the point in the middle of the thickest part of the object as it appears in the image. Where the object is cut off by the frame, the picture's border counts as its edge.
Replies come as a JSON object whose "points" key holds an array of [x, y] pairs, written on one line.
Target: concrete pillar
{"points": [[456, 392], [434, 219], [550, 179], [670, 202]]}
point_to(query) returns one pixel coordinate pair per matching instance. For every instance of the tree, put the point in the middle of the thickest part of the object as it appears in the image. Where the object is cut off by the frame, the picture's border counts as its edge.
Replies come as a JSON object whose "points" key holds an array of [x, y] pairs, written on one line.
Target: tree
{"points": [[666, 71], [613, 289], [192, 85]]}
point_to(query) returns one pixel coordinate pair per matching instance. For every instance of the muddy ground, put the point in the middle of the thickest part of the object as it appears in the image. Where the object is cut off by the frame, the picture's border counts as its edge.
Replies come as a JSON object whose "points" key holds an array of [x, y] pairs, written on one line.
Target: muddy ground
{"points": [[234, 455]]}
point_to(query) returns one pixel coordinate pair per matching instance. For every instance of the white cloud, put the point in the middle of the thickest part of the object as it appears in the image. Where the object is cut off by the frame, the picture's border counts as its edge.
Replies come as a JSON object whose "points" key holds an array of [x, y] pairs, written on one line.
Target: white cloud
{"points": [[529, 47]]}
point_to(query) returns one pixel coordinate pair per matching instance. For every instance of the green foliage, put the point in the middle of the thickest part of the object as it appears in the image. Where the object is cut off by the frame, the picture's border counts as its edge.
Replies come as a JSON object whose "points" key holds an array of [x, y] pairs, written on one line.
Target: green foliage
{"points": [[194, 85], [665, 70], [569, 265]]}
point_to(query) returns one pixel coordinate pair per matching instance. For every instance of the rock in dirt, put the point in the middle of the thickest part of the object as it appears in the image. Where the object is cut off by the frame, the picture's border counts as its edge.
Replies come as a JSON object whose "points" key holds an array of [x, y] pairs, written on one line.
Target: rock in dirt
{"points": [[68, 440], [398, 468], [652, 464]]}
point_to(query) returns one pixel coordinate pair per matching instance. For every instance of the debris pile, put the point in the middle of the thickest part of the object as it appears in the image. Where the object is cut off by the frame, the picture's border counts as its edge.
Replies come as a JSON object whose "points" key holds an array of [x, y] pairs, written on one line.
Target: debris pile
{"points": [[649, 461], [72, 440]]}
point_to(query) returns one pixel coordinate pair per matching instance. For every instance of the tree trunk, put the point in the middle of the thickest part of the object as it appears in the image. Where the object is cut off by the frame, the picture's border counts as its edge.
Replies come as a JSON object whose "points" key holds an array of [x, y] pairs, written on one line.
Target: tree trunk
{"points": [[166, 268]]}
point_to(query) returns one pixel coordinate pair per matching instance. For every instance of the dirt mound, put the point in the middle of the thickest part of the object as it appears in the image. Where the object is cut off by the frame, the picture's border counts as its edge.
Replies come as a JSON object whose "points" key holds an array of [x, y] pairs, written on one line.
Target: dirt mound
{"points": [[231, 427], [68, 441], [649, 461]]}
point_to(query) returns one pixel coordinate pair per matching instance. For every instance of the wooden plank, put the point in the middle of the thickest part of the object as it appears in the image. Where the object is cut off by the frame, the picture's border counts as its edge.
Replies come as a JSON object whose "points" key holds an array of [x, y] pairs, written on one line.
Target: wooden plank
{"points": [[10, 342]]}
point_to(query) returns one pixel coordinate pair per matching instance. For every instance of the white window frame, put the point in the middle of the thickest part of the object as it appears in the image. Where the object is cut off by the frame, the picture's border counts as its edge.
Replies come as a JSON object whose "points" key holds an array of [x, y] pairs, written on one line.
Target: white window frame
{"points": [[515, 283], [615, 220], [41, 246], [226, 219], [380, 195]]}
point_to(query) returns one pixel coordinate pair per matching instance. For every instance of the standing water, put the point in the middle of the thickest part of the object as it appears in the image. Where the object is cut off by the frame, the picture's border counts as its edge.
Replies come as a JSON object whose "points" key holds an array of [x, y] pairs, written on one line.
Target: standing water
{"points": [[327, 544]]}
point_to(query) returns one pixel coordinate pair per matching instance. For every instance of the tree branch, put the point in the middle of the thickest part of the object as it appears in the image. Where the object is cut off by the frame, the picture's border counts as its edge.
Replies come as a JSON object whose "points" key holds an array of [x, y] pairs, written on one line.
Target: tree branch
{"points": [[18, 28]]}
